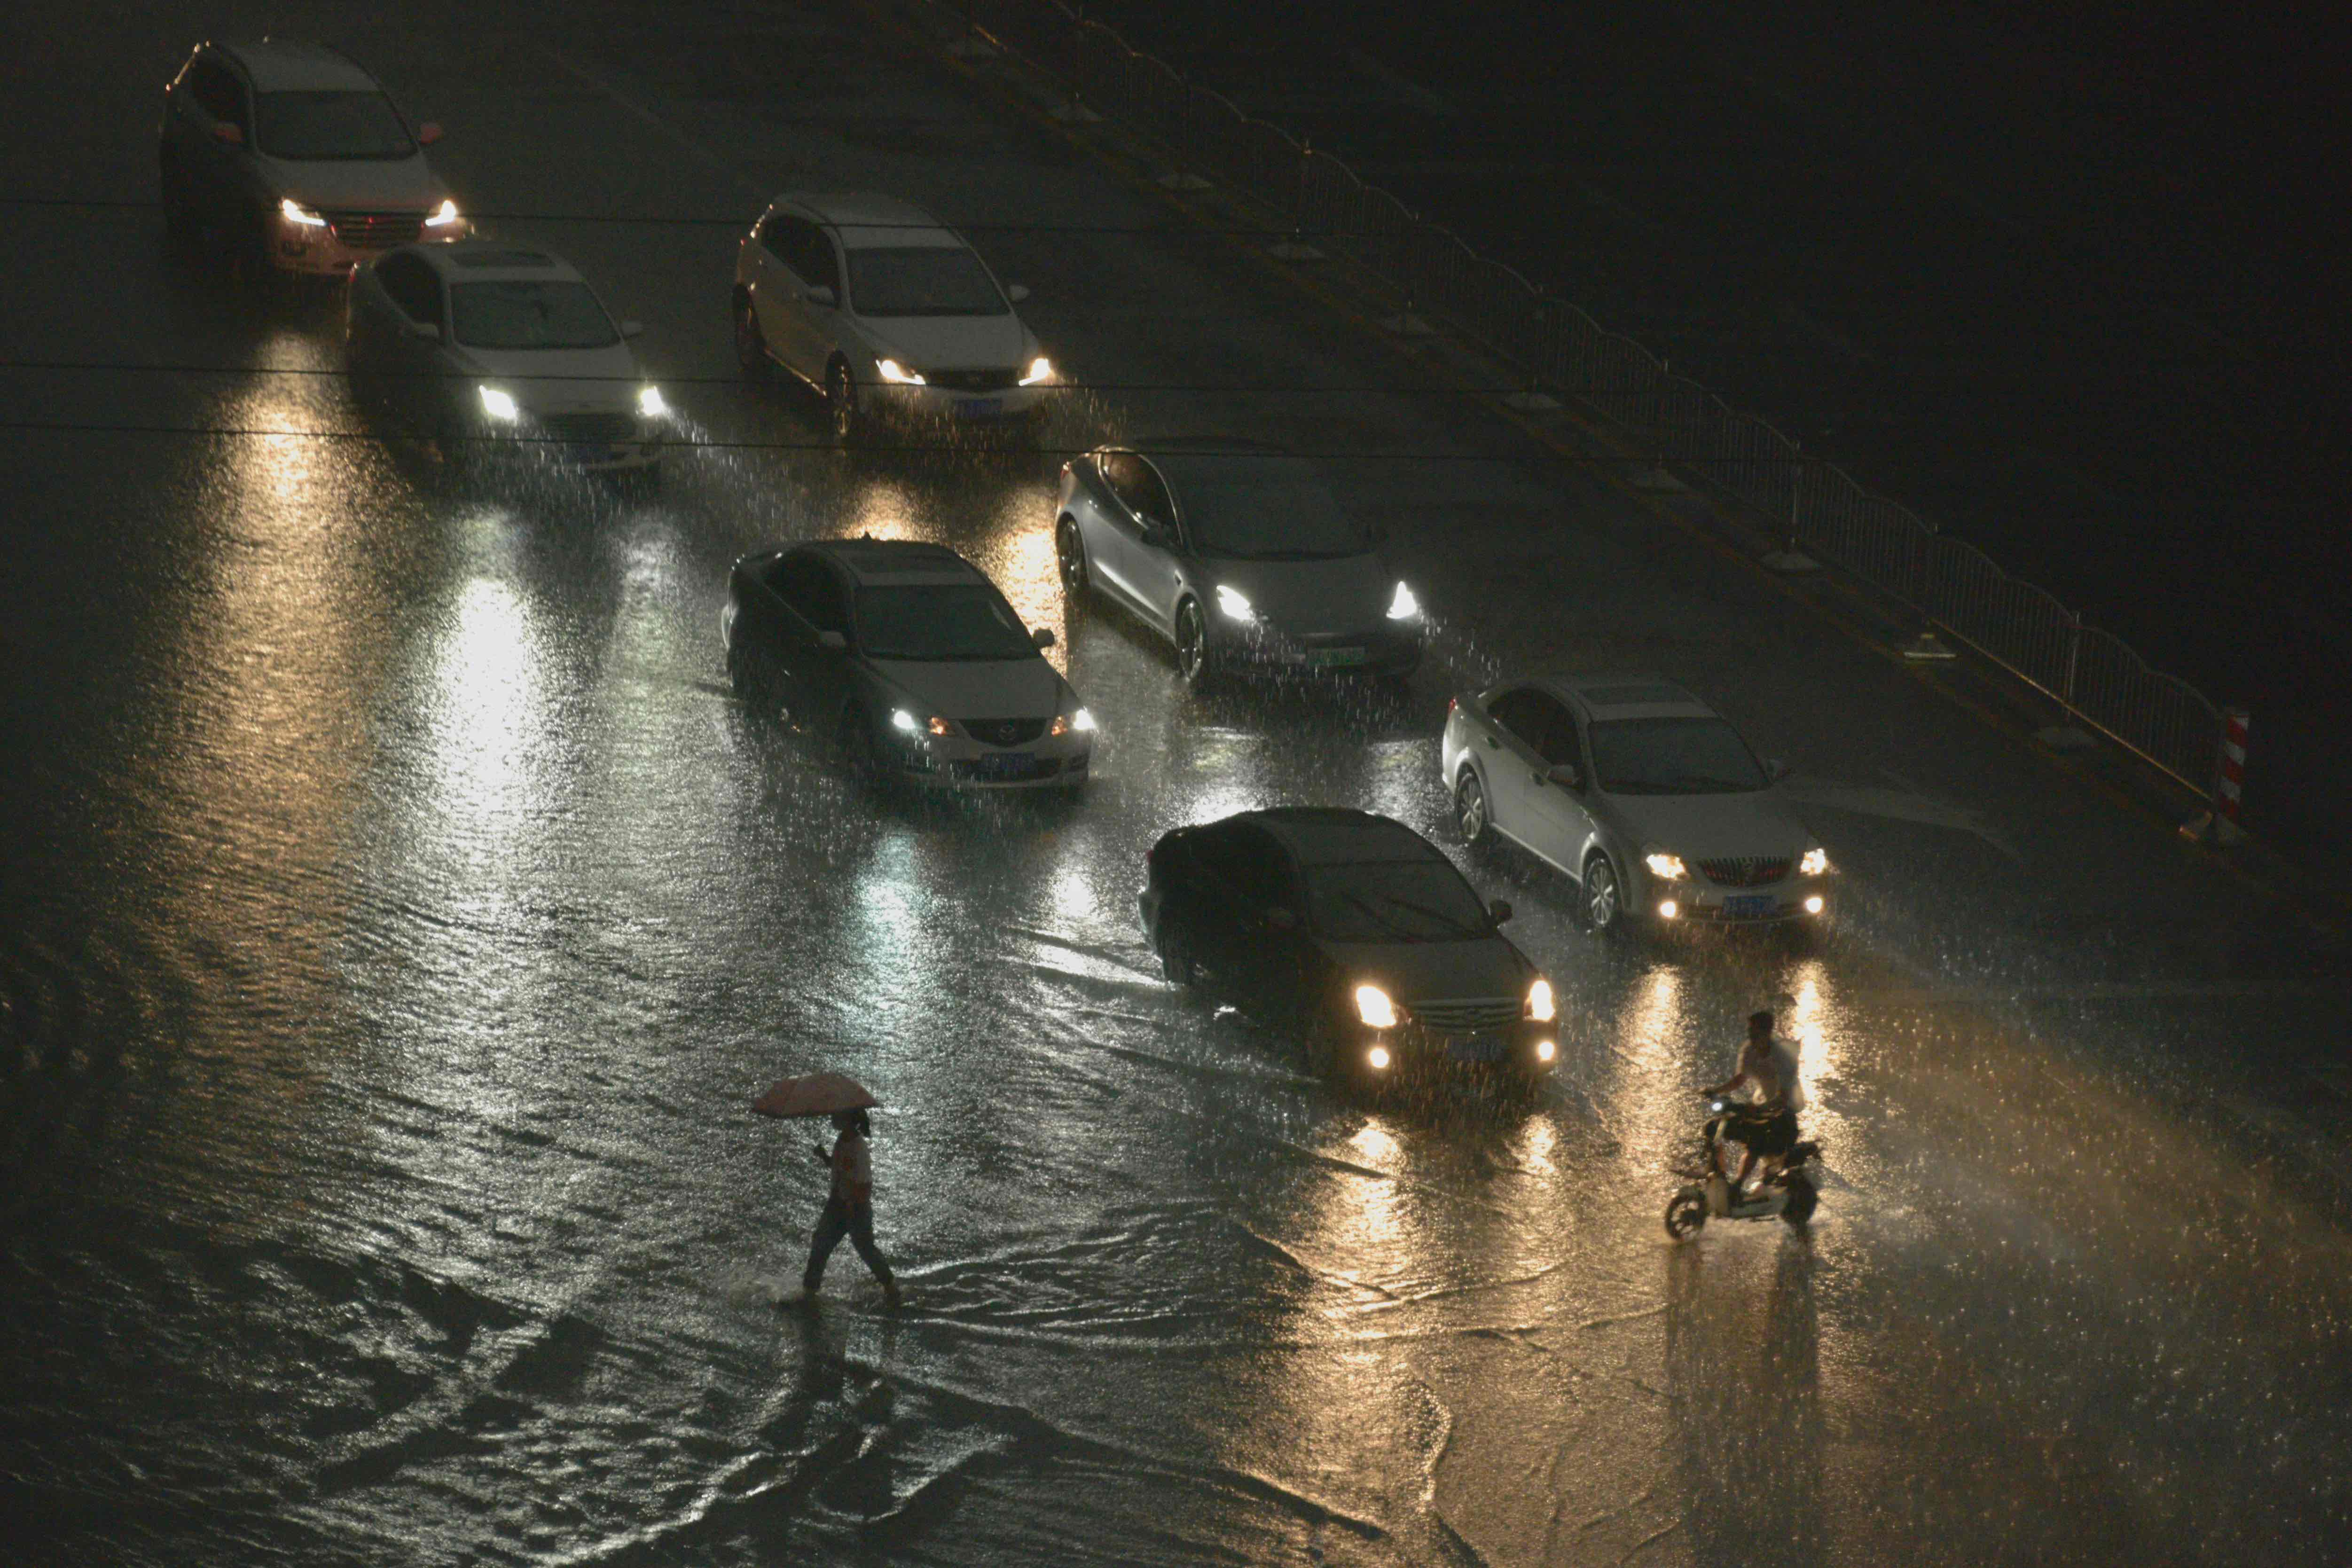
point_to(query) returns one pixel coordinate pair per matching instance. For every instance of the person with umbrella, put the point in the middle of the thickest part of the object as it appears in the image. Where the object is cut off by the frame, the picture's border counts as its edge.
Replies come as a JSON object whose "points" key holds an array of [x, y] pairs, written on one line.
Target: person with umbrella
{"points": [[849, 1205]]}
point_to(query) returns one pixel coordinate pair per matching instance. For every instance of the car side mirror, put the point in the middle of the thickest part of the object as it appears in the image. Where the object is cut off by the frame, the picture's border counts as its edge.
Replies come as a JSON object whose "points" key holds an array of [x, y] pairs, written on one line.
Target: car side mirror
{"points": [[1043, 636], [1016, 292], [833, 640], [1775, 769], [822, 295], [1565, 776], [429, 133], [1498, 911], [633, 329], [429, 330], [228, 135], [1282, 918]]}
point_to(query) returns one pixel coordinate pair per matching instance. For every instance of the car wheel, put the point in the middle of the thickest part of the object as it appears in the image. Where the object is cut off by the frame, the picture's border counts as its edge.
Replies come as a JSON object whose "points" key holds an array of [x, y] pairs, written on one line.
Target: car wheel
{"points": [[739, 669], [1470, 809], [841, 405], [750, 347], [179, 206], [1320, 1046], [864, 751], [1176, 963], [1070, 552], [1192, 645], [1604, 906]]}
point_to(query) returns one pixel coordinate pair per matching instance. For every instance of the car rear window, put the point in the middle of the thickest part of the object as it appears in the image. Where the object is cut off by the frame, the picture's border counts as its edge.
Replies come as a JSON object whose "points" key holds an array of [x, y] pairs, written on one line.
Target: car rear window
{"points": [[526, 315]]}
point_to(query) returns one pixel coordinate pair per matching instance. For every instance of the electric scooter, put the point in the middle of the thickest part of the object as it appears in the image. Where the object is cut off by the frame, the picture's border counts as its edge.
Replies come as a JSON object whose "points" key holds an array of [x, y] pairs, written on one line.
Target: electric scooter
{"points": [[1787, 1194]]}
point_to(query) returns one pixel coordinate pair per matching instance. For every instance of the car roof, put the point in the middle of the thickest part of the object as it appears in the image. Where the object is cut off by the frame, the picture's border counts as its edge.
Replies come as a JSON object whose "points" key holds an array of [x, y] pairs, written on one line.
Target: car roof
{"points": [[283, 65], [488, 261], [1342, 835], [897, 560], [1622, 695], [864, 220]]}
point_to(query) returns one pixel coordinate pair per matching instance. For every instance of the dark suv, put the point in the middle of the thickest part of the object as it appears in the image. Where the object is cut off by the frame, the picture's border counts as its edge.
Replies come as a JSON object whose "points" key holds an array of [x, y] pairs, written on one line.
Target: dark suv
{"points": [[1356, 931]]}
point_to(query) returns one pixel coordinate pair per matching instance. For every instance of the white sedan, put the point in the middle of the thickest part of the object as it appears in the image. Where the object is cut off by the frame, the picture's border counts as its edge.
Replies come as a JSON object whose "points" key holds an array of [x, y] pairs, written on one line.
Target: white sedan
{"points": [[1641, 793]]}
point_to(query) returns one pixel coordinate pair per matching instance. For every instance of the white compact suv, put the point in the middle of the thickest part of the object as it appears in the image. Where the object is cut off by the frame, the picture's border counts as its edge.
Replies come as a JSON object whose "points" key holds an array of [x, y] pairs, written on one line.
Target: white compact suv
{"points": [[886, 311], [288, 158], [500, 349], [1639, 791]]}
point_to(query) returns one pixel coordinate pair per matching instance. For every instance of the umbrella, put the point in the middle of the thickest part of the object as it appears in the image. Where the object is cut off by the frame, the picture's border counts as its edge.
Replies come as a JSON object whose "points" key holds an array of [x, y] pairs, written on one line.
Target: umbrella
{"points": [[818, 1094]]}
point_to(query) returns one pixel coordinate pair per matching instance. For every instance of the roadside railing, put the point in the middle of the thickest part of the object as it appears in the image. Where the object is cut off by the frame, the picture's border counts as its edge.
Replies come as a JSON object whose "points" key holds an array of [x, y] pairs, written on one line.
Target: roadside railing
{"points": [[1667, 419]]}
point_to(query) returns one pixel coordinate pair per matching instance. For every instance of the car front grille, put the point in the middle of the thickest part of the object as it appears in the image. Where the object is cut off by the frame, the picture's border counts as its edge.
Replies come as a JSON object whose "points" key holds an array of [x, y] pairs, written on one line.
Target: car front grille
{"points": [[375, 231], [1005, 732], [1744, 872], [1465, 1018], [590, 429], [974, 380]]}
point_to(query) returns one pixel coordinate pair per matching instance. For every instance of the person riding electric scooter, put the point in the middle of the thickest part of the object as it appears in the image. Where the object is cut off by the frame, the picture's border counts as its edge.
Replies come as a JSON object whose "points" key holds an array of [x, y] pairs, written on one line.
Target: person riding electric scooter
{"points": [[1766, 1127]]}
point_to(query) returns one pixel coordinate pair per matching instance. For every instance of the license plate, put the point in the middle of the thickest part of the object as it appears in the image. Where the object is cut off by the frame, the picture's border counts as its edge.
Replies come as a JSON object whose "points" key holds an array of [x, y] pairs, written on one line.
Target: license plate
{"points": [[1748, 907], [1007, 764], [1477, 1048], [978, 408], [1324, 657], [588, 453]]}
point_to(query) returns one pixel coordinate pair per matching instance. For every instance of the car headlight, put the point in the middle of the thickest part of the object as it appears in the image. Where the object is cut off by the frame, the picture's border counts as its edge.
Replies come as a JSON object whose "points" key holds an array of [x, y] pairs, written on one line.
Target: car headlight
{"points": [[1041, 370], [1404, 607], [1234, 606], [499, 405], [1666, 868], [1374, 1006], [652, 404], [295, 212], [1540, 1006], [1080, 723], [443, 216], [1816, 863], [907, 723], [891, 371]]}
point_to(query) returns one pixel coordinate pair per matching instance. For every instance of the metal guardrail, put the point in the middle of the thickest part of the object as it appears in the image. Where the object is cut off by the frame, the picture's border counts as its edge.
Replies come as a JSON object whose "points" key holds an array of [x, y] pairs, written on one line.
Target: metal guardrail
{"points": [[1673, 420]]}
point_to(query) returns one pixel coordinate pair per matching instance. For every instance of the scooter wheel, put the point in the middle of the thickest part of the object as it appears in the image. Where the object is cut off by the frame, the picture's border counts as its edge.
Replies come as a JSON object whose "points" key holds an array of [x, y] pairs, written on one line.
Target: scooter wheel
{"points": [[1685, 1212], [1803, 1199]]}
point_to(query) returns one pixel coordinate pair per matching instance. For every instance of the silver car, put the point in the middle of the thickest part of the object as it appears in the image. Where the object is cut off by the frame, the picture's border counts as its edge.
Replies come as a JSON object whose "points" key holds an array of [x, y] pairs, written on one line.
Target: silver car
{"points": [[887, 312], [1639, 792], [1239, 555], [292, 159], [498, 350]]}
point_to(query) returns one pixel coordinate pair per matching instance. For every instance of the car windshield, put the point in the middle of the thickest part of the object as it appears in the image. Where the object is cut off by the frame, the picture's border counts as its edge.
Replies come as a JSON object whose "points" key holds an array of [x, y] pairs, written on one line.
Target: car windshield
{"points": [[940, 621], [1418, 900], [317, 127], [527, 315], [1673, 756], [922, 280], [1263, 510]]}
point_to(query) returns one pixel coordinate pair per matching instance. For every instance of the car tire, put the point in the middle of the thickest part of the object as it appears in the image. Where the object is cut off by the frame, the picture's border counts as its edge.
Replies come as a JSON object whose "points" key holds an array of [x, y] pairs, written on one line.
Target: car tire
{"points": [[1604, 897], [750, 345], [1176, 965], [848, 426], [862, 749], [1070, 556], [1470, 811], [180, 224], [1192, 646], [1319, 1046], [739, 669]]}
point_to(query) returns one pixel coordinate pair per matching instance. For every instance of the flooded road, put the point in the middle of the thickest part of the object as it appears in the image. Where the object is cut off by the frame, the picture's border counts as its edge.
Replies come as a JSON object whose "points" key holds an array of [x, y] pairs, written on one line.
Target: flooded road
{"points": [[398, 912]]}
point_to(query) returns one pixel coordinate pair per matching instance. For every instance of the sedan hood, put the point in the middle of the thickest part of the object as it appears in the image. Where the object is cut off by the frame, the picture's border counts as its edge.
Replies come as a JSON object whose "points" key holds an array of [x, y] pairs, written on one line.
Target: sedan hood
{"points": [[1714, 826], [361, 184], [1337, 595], [607, 378], [1417, 972], [986, 688], [952, 343]]}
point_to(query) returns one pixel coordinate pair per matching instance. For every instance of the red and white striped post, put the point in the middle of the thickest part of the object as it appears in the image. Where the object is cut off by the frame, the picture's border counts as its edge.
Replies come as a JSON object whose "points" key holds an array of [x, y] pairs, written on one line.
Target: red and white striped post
{"points": [[2220, 824]]}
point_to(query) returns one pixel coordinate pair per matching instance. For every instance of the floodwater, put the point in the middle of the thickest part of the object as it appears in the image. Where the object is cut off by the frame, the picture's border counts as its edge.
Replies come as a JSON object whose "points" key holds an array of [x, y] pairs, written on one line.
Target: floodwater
{"points": [[398, 912]]}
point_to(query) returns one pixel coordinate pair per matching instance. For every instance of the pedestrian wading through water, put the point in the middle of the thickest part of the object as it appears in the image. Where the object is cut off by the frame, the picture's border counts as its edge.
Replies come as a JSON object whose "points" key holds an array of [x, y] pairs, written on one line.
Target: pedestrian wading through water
{"points": [[848, 1207]]}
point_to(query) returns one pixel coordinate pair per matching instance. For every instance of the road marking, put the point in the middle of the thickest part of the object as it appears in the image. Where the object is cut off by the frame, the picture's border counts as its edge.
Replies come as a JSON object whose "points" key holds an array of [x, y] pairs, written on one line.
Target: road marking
{"points": [[667, 128]]}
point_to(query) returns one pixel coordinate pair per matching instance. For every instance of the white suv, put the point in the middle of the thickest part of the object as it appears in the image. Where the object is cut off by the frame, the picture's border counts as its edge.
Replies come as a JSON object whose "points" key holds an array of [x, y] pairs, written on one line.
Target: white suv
{"points": [[886, 311], [288, 158]]}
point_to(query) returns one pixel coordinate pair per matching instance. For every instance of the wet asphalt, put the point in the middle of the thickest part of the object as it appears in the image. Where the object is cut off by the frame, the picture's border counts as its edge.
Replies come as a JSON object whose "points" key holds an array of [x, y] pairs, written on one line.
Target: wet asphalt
{"points": [[397, 913]]}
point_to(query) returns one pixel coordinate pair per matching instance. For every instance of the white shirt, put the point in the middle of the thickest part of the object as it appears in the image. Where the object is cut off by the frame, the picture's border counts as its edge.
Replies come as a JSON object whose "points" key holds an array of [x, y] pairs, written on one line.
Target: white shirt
{"points": [[1784, 1069]]}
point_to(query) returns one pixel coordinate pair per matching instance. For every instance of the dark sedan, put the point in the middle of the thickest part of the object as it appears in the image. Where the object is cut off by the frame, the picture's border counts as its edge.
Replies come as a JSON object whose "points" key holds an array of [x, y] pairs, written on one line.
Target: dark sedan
{"points": [[1355, 931], [1239, 556]]}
